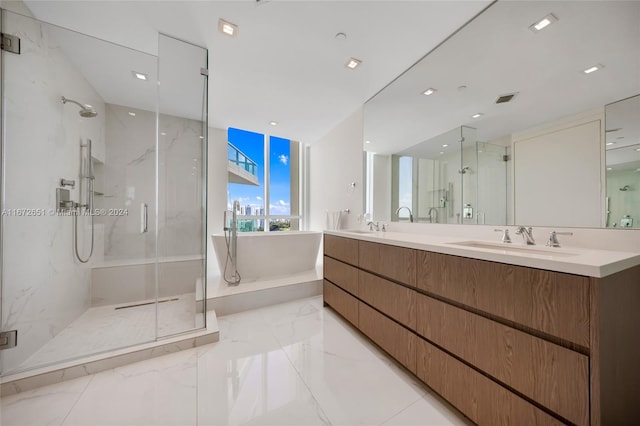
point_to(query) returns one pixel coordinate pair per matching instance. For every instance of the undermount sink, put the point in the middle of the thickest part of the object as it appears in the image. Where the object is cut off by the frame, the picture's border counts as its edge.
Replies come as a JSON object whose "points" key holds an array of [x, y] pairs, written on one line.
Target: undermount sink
{"points": [[515, 249], [359, 231]]}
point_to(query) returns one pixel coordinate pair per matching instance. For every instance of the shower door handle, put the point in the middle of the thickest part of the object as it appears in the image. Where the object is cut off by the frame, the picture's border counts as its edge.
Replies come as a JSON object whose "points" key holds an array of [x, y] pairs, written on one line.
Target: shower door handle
{"points": [[144, 218]]}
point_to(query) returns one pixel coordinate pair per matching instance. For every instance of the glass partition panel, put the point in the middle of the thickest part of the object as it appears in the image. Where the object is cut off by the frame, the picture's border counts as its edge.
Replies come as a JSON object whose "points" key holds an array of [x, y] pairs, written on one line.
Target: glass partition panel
{"points": [[181, 212], [78, 193], [491, 183]]}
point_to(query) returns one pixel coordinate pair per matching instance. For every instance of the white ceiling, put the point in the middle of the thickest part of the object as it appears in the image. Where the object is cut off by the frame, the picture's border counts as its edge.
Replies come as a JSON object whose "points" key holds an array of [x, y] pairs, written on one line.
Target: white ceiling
{"points": [[497, 54], [285, 64]]}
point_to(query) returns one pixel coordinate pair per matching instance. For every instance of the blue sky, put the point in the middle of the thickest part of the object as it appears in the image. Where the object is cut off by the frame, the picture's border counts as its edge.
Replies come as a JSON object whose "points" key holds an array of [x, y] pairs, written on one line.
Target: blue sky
{"points": [[252, 144]]}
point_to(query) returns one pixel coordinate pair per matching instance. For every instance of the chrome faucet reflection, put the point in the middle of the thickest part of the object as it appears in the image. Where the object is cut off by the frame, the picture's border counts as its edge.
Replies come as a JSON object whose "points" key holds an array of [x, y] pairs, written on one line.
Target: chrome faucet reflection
{"points": [[527, 235], [408, 209], [373, 226], [432, 214]]}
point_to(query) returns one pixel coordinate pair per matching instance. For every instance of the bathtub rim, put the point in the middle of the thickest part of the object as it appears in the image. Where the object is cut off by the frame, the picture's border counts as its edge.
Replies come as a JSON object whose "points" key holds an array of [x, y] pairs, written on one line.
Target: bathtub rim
{"points": [[271, 233]]}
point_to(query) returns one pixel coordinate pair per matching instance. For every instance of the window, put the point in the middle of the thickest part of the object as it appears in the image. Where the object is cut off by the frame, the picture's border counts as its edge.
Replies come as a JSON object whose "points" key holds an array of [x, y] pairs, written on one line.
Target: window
{"points": [[271, 202]]}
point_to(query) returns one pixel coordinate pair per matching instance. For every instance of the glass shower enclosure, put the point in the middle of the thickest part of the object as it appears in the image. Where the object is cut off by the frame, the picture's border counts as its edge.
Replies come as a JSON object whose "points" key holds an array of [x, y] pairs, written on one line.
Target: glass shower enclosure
{"points": [[103, 193]]}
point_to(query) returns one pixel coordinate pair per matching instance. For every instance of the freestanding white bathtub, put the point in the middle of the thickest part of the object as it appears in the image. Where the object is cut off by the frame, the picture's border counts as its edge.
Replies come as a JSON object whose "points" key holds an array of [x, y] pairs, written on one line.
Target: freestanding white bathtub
{"points": [[263, 255]]}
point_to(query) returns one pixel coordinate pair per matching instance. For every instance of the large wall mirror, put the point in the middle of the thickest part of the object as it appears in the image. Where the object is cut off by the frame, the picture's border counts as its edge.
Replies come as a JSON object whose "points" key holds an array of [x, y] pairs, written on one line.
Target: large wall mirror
{"points": [[528, 115]]}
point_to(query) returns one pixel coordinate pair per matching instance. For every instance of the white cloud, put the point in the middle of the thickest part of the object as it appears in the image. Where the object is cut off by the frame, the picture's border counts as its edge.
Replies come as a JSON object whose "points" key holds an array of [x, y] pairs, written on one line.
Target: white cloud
{"points": [[283, 159], [281, 207], [259, 198]]}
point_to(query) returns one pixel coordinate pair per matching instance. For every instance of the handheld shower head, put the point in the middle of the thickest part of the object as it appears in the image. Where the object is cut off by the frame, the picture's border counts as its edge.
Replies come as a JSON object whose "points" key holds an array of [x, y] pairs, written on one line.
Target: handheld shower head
{"points": [[86, 110], [625, 188]]}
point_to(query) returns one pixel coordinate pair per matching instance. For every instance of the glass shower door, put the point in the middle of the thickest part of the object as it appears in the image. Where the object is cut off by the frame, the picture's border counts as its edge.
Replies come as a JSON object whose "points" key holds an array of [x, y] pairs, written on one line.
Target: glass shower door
{"points": [[79, 163], [182, 165], [492, 183]]}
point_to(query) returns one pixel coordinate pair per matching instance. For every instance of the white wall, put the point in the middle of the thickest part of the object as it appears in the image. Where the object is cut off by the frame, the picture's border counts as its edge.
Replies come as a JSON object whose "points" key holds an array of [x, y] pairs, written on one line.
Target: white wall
{"points": [[336, 160], [129, 181], [217, 193], [44, 287], [557, 173]]}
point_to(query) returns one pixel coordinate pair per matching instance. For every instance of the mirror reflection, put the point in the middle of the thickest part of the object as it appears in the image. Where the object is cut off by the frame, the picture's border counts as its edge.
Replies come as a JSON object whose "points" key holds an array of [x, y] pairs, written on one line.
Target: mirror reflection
{"points": [[623, 163], [504, 123]]}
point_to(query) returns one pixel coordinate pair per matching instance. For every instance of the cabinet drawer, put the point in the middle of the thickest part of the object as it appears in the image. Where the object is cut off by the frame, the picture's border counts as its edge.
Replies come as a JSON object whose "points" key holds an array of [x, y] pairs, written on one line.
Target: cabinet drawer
{"points": [[396, 301], [556, 377], [341, 301], [399, 342], [552, 302], [343, 275], [396, 263], [344, 249], [479, 398]]}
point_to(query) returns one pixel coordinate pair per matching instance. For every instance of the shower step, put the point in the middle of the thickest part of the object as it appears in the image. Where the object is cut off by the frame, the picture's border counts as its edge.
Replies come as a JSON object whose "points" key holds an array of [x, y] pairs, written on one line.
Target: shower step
{"points": [[227, 300], [23, 381]]}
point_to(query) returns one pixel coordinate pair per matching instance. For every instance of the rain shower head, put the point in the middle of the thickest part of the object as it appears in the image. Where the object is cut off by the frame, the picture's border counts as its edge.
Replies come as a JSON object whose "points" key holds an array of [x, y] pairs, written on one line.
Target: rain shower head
{"points": [[86, 110]]}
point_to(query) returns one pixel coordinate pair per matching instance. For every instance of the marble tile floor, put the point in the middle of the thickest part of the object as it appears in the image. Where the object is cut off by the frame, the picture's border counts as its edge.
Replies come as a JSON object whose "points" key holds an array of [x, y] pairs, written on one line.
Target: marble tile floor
{"points": [[105, 328], [295, 363]]}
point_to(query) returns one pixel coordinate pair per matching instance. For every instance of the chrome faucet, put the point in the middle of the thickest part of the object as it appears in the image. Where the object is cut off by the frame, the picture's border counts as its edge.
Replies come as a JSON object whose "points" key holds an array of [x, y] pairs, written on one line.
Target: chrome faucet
{"points": [[433, 218], [527, 235], [372, 225], [410, 214], [553, 239]]}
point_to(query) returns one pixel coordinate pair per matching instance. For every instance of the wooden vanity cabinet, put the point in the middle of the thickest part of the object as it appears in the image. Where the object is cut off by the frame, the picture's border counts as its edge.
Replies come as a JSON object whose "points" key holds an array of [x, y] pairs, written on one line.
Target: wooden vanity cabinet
{"points": [[552, 375], [504, 344], [343, 303], [395, 263], [475, 395], [551, 302]]}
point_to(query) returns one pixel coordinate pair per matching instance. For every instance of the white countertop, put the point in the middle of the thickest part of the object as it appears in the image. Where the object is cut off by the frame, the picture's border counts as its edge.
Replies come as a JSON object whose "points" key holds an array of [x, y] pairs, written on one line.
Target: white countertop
{"points": [[572, 260]]}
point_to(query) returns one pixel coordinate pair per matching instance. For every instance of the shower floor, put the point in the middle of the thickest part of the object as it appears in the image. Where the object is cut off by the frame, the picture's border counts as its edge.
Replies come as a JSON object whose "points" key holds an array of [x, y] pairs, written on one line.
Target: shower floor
{"points": [[105, 328]]}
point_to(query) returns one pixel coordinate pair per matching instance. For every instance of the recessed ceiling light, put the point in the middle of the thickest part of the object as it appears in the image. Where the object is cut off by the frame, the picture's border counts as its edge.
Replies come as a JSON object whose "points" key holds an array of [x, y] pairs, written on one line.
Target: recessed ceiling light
{"points": [[353, 63], [429, 91], [594, 68], [227, 28], [609, 143], [441, 152], [609, 168], [341, 36], [201, 137], [445, 145], [133, 114], [273, 123], [543, 23], [367, 141], [163, 133], [479, 114], [637, 149], [140, 75]]}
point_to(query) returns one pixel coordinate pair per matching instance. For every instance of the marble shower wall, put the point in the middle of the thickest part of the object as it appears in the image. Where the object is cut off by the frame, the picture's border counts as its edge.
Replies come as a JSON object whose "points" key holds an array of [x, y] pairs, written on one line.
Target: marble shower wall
{"points": [[129, 181], [44, 287]]}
